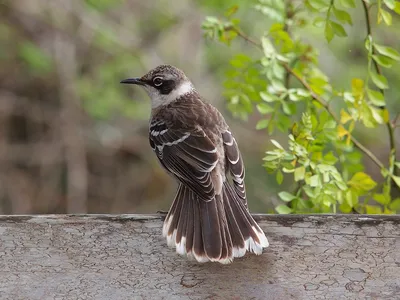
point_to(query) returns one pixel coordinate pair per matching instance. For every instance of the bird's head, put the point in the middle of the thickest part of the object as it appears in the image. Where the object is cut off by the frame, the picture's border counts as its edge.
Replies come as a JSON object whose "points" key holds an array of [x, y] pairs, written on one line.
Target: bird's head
{"points": [[164, 84]]}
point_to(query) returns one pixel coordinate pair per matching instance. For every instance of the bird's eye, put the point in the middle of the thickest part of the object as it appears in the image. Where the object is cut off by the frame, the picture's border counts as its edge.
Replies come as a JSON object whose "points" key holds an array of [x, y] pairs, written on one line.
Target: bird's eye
{"points": [[157, 81]]}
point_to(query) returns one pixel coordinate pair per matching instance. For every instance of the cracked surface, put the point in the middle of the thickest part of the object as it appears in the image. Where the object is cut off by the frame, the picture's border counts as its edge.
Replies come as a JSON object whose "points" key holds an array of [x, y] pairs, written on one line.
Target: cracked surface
{"points": [[125, 257]]}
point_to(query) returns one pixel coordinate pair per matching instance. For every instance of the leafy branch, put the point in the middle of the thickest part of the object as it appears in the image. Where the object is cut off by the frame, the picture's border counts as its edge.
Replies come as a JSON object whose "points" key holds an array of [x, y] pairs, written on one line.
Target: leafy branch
{"points": [[323, 154], [317, 98], [390, 127]]}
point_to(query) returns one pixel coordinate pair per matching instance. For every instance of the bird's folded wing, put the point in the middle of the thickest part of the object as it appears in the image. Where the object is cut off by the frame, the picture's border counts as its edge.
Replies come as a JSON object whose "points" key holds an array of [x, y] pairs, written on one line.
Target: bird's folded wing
{"points": [[189, 155], [235, 164]]}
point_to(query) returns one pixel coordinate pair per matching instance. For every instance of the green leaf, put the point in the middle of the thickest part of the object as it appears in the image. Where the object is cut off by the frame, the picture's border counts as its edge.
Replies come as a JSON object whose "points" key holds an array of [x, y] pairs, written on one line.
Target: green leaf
{"points": [[377, 114], [345, 117], [351, 197], [342, 15], [376, 97], [240, 61], [390, 4], [267, 46], [397, 7], [267, 97], [289, 108], [329, 32], [279, 177], [381, 199], [373, 210], [262, 124], [386, 16], [318, 5], [287, 197], [338, 29], [276, 144], [383, 61], [395, 204], [330, 158], [264, 108], [362, 182], [319, 22], [314, 181], [379, 80], [345, 208], [283, 209], [348, 3], [387, 51], [299, 173], [396, 179]]}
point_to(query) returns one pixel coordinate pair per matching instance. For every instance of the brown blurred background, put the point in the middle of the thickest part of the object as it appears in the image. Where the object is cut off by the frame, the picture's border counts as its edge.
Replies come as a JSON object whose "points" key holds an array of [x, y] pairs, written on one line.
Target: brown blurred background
{"points": [[73, 140]]}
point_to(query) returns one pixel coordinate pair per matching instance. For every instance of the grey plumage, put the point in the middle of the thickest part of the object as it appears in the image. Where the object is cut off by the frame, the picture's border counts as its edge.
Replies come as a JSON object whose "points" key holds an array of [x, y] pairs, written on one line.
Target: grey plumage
{"points": [[209, 219]]}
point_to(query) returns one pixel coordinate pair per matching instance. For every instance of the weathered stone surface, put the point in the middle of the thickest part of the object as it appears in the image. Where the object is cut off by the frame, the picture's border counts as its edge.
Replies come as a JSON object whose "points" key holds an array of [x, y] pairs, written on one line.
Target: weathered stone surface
{"points": [[125, 257]]}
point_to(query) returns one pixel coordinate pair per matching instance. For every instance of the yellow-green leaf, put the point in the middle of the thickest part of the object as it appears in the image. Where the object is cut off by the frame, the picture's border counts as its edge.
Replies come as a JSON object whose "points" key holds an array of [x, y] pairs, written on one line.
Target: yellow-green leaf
{"points": [[386, 16], [267, 46], [345, 117], [381, 198], [342, 15], [351, 197], [283, 209], [262, 124], [342, 131], [319, 22], [345, 208], [279, 177], [379, 80], [264, 108], [377, 115], [397, 7], [396, 179], [372, 209], [299, 173], [348, 3], [276, 144], [338, 29], [329, 32], [389, 3], [387, 51], [376, 97], [362, 182], [386, 116], [357, 87], [395, 204], [383, 61], [287, 197]]}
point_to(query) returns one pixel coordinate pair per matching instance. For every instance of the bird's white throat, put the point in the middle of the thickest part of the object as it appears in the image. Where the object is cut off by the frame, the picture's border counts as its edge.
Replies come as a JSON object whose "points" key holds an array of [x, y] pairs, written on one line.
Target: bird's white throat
{"points": [[158, 99]]}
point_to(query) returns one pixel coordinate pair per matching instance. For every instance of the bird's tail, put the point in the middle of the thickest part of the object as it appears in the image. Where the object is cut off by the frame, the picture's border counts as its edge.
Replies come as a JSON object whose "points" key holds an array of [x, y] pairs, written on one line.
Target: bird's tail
{"points": [[216, 230]]}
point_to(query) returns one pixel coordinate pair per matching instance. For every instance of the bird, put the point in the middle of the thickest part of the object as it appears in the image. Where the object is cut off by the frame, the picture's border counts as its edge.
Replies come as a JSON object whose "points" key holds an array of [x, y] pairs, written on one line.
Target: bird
{"points": [[209, 219]]}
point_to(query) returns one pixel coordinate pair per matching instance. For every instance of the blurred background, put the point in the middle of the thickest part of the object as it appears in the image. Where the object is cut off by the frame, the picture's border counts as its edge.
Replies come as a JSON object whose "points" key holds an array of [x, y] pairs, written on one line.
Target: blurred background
{"points": [[73, 140]]}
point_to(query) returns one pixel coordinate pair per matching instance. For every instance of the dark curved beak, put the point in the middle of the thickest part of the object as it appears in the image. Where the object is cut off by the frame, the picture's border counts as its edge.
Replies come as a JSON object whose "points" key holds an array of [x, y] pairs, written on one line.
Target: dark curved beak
{"points": [[137, 81]]}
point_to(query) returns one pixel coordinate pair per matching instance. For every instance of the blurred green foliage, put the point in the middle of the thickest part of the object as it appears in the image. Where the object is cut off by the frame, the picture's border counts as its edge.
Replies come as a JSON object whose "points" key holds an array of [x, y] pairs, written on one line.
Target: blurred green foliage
{"points": [[284, 81]]}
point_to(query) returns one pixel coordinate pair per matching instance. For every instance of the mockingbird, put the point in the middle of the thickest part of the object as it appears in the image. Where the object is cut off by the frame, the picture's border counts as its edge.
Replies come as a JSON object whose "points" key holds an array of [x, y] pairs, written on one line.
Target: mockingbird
{"points": [[209, 219]]}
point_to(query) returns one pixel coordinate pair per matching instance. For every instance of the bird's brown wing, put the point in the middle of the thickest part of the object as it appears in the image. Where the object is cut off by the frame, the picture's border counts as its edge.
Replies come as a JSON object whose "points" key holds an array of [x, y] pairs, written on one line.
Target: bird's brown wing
{"points": [[189, 155], [235, 164]]}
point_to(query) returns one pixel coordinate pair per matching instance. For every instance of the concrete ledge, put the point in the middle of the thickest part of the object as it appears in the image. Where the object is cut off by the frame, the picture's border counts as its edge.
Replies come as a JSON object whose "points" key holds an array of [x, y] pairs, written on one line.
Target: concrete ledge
{"points": [[125, 257]]}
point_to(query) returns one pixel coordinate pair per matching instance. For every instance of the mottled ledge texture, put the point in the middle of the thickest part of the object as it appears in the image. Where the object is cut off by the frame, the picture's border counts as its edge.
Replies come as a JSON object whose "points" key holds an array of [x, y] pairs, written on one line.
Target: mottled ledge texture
{"points": [[125, 257]]}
